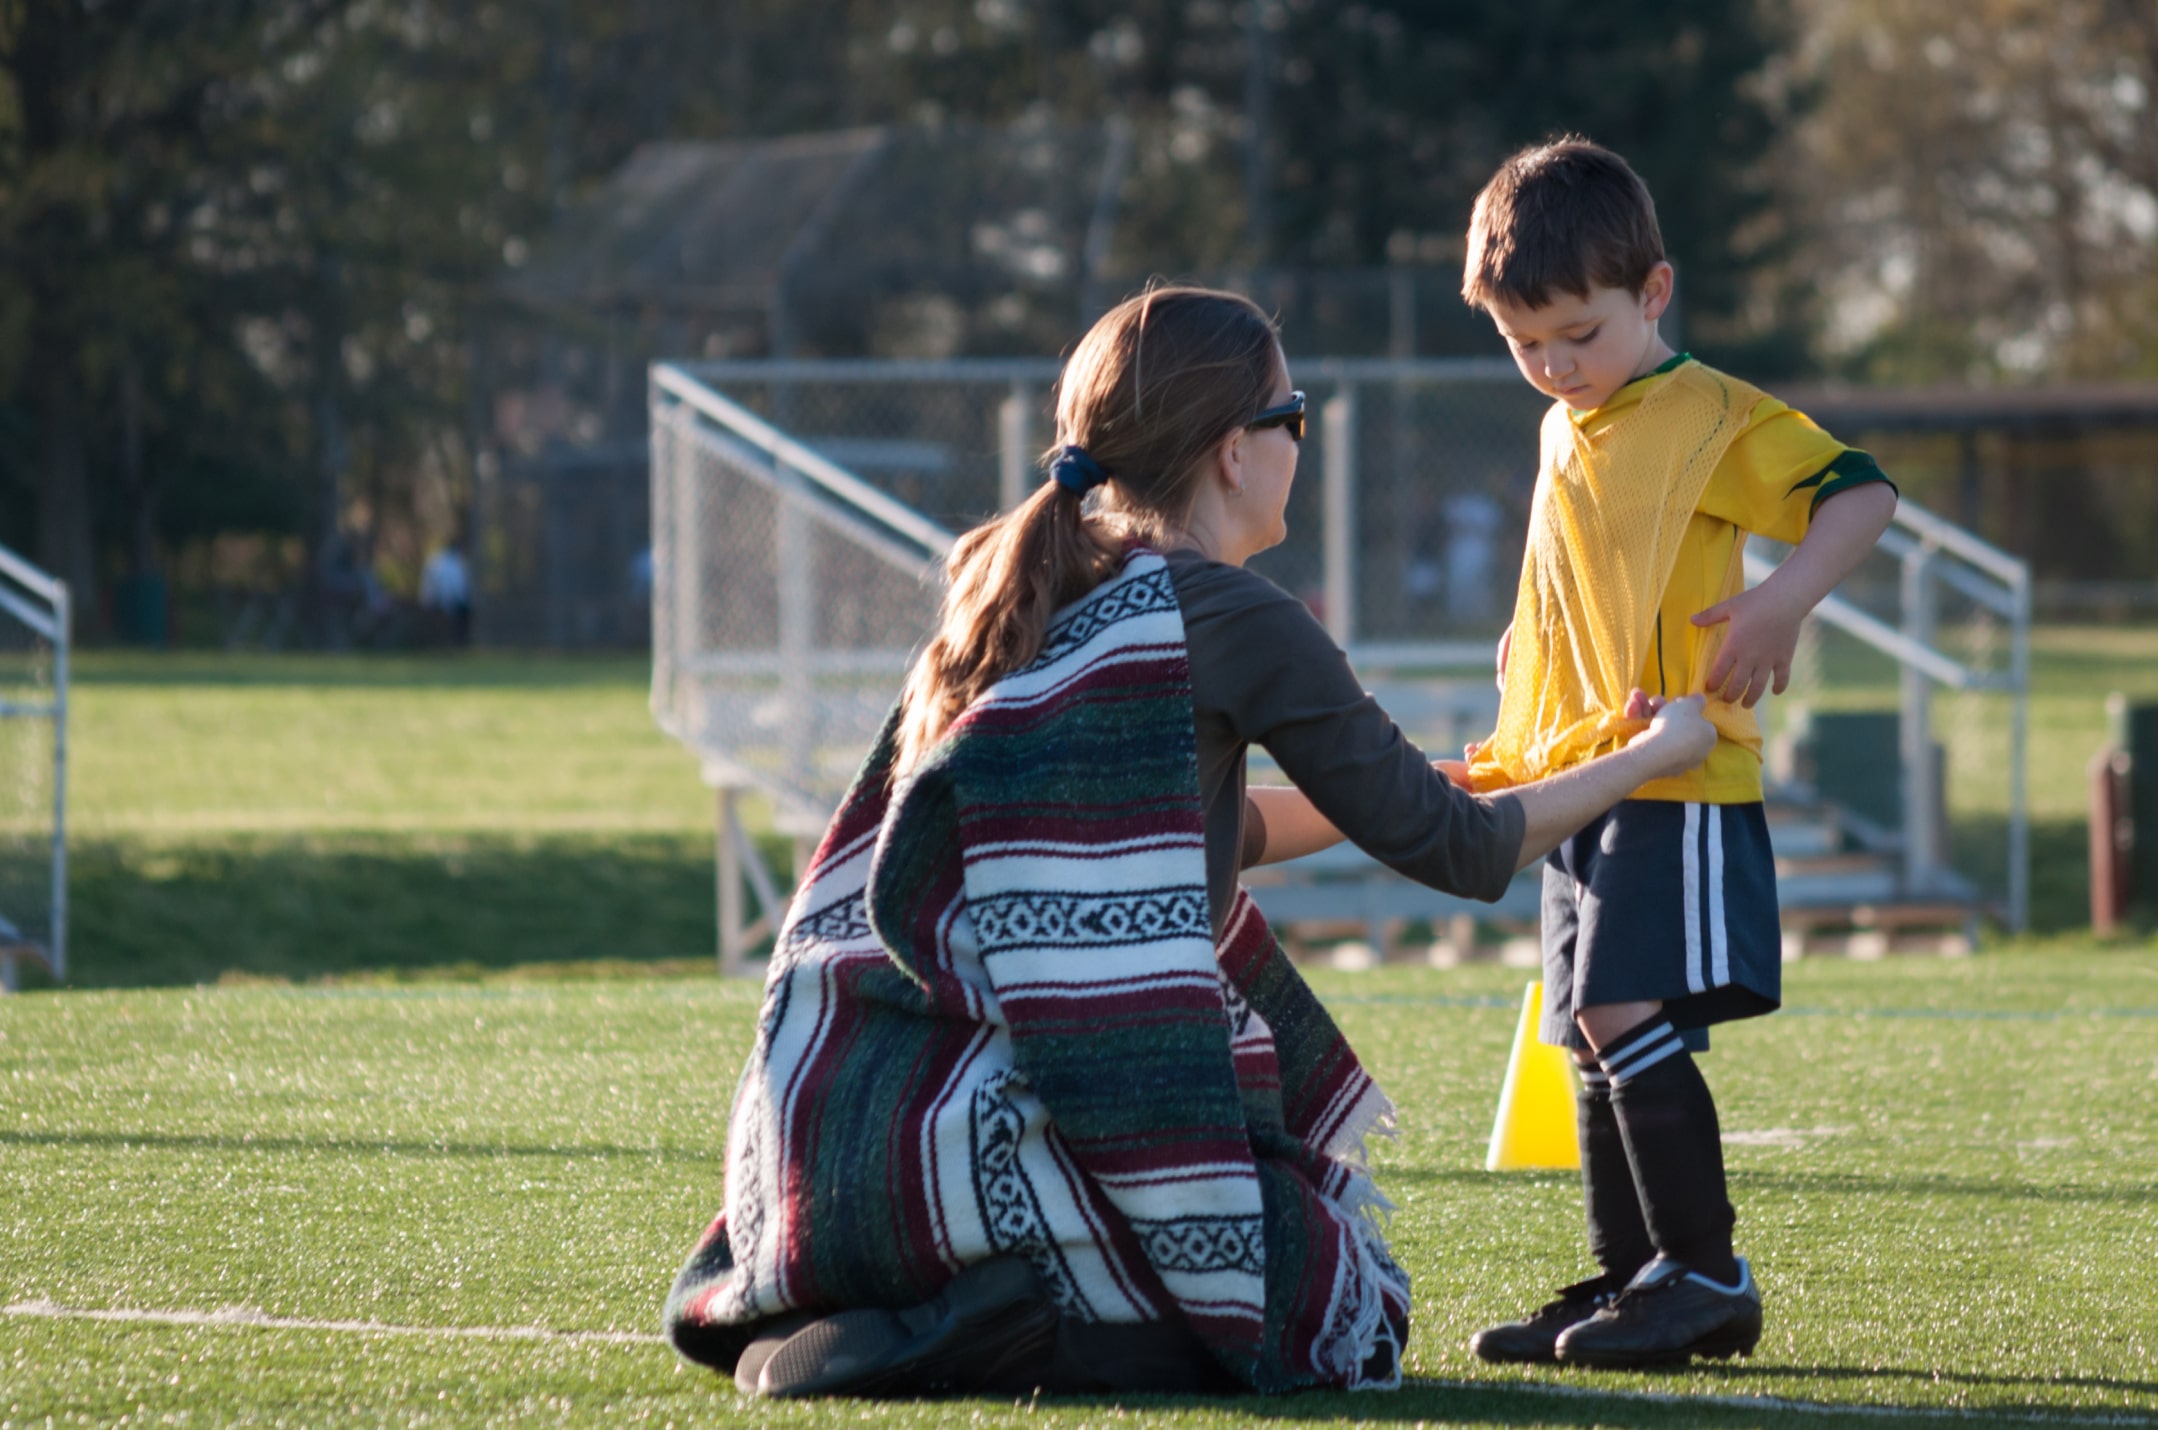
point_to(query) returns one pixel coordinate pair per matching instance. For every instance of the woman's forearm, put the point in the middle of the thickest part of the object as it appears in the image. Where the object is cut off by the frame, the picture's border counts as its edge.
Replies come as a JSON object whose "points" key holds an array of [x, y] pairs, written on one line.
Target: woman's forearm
{"points": [[1557, 807], [1677, 738], [1294, 826], [1553, 808]]}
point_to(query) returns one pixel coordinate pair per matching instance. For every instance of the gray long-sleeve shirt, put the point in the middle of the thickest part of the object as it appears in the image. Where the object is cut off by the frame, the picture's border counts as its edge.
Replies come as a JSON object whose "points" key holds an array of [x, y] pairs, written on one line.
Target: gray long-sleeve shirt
{"points": [[1264, 672]]}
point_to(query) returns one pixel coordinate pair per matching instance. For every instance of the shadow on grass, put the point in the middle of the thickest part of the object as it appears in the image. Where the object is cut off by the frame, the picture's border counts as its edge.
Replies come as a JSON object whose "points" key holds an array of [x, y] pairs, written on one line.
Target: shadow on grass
{"points": [[370, 1147], [1700, 1396], [1842, 1182], [162, 912], [1741, 1373]]}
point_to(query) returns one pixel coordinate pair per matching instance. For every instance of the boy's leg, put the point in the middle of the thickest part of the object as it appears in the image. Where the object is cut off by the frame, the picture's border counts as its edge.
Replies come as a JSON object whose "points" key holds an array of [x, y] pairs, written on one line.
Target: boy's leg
{"points": [[1695, 1298], [1617, 1236], [1618, 1233], [1674, 1147]]}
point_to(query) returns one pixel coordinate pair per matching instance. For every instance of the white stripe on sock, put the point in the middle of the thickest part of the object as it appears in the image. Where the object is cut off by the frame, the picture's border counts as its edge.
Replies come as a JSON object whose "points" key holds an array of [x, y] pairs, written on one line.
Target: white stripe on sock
{"points": [[1634, 1067], [1692, 883], [1651, 1047], [1718, 936]]}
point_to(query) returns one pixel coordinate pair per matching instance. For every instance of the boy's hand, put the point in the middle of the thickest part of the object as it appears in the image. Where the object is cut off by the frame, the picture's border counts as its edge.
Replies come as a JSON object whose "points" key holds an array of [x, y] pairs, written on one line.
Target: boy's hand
{"points": [[1755, 656], [1455, 771]]}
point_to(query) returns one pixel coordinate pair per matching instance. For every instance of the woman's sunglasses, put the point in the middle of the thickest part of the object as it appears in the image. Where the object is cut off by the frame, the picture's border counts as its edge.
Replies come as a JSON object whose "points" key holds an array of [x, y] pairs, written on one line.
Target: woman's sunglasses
{"points": [[1289, 415]]}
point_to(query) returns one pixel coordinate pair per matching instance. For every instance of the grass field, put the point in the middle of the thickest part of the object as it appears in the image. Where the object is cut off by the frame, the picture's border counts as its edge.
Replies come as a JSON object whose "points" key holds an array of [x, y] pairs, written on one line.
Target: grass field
{"points": [[1945, 1174], [397, 1045], [296, 817]]}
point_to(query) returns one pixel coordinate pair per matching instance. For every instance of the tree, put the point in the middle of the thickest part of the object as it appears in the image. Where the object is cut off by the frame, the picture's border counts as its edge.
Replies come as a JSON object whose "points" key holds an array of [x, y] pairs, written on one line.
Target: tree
{"points": [[1977, 185]]}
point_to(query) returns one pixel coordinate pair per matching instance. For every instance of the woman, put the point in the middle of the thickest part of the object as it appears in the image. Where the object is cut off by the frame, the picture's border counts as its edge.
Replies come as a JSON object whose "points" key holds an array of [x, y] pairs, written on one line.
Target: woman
{"points": [[1036, 1102]]}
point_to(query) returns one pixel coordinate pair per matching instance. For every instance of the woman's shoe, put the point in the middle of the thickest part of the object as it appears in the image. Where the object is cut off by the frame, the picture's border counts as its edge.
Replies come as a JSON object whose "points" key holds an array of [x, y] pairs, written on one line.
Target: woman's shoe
{"points": [[750, 1364], [991, 1319]]}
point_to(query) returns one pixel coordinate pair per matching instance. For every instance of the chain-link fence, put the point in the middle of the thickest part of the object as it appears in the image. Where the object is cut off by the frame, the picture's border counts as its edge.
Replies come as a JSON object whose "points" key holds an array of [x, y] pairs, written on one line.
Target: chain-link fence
{"points": [[1433, 463], [33, 765]]}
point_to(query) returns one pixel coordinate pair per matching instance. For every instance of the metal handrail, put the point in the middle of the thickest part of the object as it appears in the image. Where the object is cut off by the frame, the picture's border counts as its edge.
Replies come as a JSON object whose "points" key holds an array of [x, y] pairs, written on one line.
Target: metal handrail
{"points": [[22, 573], [28, 614], [1929, 548], [685, 388], [1933, 528], [53, 624], [775, 473]]}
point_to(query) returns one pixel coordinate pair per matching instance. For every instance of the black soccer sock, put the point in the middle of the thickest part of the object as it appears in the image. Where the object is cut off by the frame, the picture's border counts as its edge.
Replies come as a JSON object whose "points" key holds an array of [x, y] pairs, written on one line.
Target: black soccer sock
{"points": [[1668, 1119], [1618, 1237]]}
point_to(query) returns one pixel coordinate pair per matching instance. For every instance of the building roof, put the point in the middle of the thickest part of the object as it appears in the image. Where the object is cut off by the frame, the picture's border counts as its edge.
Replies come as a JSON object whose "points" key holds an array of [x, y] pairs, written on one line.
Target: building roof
{"points": [[719, 225], [2053, 408]]}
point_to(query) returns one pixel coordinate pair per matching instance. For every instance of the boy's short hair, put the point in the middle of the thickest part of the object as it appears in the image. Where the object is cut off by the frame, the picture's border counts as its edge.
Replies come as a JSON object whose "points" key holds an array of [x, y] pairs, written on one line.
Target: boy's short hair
{"points": [[1562, 216]]}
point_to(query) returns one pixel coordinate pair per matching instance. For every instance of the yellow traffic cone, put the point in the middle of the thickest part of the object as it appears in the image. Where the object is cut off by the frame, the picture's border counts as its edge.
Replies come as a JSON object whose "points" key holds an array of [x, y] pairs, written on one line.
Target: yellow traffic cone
{"points": [[1535, 1126]]}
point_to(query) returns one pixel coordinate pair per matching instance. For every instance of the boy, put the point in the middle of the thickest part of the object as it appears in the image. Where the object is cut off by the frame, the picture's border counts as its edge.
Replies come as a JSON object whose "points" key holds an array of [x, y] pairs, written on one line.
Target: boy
{"points": [[1660, 918]]}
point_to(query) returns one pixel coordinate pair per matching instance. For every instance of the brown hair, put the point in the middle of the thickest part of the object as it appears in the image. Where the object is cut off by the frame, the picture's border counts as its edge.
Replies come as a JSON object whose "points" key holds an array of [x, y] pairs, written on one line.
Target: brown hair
{"points": [[1565, 215], [1154, 385]]}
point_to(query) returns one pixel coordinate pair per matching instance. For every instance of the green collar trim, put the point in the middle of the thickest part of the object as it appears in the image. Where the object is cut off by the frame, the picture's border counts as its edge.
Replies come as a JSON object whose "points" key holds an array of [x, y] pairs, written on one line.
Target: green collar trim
{"points": [[1644, 377], [1668, 366]]}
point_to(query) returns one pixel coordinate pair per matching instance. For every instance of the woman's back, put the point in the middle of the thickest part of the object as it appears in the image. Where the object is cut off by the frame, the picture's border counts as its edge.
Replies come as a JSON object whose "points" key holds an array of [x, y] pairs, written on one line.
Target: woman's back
{"points": [[998, 1023]]}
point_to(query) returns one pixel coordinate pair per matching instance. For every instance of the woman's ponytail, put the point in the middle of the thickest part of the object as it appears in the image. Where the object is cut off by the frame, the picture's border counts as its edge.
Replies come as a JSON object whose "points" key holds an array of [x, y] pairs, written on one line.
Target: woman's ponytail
{"points": [[1006, 578]]}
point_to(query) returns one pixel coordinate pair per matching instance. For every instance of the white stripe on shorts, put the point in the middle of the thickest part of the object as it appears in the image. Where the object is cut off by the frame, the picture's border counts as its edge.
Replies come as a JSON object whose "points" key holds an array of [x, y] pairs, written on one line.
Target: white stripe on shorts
{"points": [[1719, 941], [1692, 885]]}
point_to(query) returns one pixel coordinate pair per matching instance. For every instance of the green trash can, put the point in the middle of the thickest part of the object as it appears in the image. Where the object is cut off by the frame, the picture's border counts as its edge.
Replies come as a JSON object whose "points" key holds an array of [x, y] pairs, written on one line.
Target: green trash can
{"points": [[2134, 729], [1853, 758], [140, 613]]}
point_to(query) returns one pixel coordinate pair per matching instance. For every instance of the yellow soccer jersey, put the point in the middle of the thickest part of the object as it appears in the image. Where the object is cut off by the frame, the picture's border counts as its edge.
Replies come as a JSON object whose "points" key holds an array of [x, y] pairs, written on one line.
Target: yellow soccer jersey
{"points": [[1771, 478]]}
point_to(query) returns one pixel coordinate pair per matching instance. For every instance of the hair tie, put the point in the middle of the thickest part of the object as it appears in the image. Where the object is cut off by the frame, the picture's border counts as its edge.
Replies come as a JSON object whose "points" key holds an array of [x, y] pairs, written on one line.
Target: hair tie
{"points": [[1076, 472]]}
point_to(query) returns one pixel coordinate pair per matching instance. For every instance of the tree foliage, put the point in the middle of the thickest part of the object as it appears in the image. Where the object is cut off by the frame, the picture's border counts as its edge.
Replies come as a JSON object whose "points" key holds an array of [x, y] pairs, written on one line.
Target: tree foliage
{"points": [[247, 243], [1975, 184]]}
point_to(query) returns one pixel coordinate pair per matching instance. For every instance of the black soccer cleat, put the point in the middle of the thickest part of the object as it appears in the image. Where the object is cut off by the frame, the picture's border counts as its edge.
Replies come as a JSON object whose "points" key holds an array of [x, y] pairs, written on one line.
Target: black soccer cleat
{"points": [[978, 1332], [1666, 1316], [1533, 1340]]}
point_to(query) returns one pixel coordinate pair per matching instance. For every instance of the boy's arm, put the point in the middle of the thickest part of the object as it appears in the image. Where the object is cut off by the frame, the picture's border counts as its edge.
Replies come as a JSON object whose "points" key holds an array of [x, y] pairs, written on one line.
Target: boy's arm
{"points": [[1755, 656], [1294, 826]]}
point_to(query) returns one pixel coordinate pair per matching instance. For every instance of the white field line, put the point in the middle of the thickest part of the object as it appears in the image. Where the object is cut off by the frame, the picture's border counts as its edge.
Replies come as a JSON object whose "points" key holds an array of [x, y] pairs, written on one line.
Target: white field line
{"points": [[239, 1316]]}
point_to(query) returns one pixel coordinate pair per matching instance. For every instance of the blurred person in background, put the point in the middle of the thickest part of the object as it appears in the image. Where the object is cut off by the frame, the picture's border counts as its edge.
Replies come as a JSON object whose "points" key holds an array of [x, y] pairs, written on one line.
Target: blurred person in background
{"points": [[446, 591]]}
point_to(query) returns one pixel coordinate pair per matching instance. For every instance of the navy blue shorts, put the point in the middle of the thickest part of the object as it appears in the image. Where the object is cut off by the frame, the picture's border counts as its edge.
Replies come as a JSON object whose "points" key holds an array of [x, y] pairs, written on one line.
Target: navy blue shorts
{"points": [[1666, 902]]}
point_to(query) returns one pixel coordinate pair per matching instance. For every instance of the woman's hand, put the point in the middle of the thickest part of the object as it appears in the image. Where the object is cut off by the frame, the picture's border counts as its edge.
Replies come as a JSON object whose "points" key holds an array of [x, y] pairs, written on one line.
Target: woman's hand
{"points": [[1678, 733], [1678, 738]]}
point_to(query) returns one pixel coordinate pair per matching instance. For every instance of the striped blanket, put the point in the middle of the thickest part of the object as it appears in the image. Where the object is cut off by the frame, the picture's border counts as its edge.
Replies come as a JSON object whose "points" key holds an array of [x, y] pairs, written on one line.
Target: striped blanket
{"points": [[997, 1022]]}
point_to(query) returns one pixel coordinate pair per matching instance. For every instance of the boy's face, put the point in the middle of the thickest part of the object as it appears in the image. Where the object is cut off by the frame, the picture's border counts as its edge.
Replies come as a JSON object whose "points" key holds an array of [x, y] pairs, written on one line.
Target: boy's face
{"points": [[1582, 349]]}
